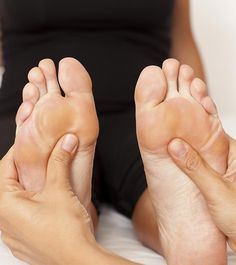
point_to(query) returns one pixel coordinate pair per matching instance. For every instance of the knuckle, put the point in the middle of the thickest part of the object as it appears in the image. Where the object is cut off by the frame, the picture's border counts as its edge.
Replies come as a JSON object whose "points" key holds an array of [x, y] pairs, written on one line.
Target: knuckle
{"points": [[5, 203], [62, 158], [16, 254], [12, 245], [6, 239], [193, 161]]}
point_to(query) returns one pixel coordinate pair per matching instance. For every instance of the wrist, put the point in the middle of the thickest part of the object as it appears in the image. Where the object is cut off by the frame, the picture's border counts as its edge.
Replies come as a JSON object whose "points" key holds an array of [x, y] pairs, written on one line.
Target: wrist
{"points": [[73, 245], [85, 250]]}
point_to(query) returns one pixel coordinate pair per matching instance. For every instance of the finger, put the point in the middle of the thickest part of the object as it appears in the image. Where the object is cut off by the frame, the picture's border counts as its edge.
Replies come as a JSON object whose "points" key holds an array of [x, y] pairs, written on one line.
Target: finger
{"points": [[232, 155], [232, 143], [14, 246], [59, 165], [8, 173], [232, 244], [8, 240], [189, 161]]}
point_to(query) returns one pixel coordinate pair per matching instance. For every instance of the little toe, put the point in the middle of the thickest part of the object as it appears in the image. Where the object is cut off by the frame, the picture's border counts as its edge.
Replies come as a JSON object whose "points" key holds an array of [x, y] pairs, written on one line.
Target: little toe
{"points": [[37, 78], [186, 75], [73, 77], [209, 105], [30, 93], [151, 87], [24, 112], [48, 68], [170, 68], [198, 89]]}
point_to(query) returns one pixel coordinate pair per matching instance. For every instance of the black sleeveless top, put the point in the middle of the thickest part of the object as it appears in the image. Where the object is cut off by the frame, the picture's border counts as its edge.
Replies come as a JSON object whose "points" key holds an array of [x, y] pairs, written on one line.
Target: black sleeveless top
{"points": [[114, 40]]}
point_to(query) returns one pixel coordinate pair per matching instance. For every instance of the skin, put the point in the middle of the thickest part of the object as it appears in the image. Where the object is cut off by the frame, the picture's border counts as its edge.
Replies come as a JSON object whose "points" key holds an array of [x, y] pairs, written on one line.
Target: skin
{"points": [[182, 40], [53, 217], [45, 116], [219, 190], [170, 102]]}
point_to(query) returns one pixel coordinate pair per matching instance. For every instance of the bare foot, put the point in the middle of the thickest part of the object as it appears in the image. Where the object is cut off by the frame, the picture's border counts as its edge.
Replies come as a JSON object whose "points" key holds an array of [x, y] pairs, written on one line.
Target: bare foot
{"points": [[171, 103], [45, 116]]}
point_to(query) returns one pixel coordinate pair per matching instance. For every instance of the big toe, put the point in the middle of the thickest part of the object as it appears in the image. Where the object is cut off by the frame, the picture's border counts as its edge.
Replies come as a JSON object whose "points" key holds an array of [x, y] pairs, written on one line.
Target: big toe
{"points": [[73, 77], [77, 85], [151, 87]]}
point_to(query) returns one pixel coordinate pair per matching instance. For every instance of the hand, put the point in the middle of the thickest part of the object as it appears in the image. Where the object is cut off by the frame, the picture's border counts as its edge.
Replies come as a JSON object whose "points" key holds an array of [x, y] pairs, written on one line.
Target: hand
{"points": [[50, 226], [219, 191]]}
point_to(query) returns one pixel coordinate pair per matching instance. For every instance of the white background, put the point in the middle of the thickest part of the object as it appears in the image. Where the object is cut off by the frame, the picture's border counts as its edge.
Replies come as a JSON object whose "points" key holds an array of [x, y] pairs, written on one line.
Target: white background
{"points": [[214, 26]]}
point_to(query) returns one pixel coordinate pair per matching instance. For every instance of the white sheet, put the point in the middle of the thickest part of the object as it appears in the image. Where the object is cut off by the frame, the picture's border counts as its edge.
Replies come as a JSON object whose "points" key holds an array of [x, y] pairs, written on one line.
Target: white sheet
{"points": [[115, 232]]}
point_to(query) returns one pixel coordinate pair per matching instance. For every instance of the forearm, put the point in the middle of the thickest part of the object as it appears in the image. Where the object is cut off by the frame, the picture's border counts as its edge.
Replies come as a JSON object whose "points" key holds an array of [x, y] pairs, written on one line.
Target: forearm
{"points": [[184, 47], [186, 51], [107, 258]]}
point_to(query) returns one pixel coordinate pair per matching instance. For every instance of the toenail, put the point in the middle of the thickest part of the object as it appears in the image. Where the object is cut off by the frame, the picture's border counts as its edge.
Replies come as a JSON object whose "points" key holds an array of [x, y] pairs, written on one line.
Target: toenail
{"points": [[178, 148], [69, 143]]}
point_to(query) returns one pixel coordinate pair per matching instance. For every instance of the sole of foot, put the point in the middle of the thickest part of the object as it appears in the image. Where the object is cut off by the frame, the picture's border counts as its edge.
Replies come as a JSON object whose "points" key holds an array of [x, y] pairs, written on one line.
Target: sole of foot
{"points": [[172, 103], [45, 116]]}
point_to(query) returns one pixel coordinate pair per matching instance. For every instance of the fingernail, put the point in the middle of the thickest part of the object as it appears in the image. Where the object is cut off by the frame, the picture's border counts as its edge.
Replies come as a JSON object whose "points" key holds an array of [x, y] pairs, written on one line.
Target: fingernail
{"points": [[178, 148], [69, 143]]}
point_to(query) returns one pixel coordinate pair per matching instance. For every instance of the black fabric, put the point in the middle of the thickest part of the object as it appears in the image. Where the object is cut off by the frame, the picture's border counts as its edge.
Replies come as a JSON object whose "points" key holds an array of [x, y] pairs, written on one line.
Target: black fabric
{"points": [[114, 40], [123, 173]]}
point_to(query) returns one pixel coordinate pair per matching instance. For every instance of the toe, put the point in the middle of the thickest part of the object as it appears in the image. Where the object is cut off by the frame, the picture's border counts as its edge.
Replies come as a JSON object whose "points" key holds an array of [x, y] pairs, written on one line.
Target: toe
{"points": [[24, 112], [48, 68], [186, 75], [209, 105], [151, 86], [198, 89], [30, 93], [171, 70], [73, 77], [36, 77]]}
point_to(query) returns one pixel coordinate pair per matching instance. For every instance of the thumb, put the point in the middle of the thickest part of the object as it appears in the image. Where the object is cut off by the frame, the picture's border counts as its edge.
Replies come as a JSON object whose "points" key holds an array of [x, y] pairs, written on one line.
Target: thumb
{"points": [[190, 162], [59, 164]]}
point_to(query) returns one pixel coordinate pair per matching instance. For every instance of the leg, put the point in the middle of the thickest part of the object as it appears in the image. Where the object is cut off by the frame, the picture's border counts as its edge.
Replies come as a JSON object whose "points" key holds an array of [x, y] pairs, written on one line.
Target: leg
{"points": [[45, 116], [146, 228], [167, 107]]}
